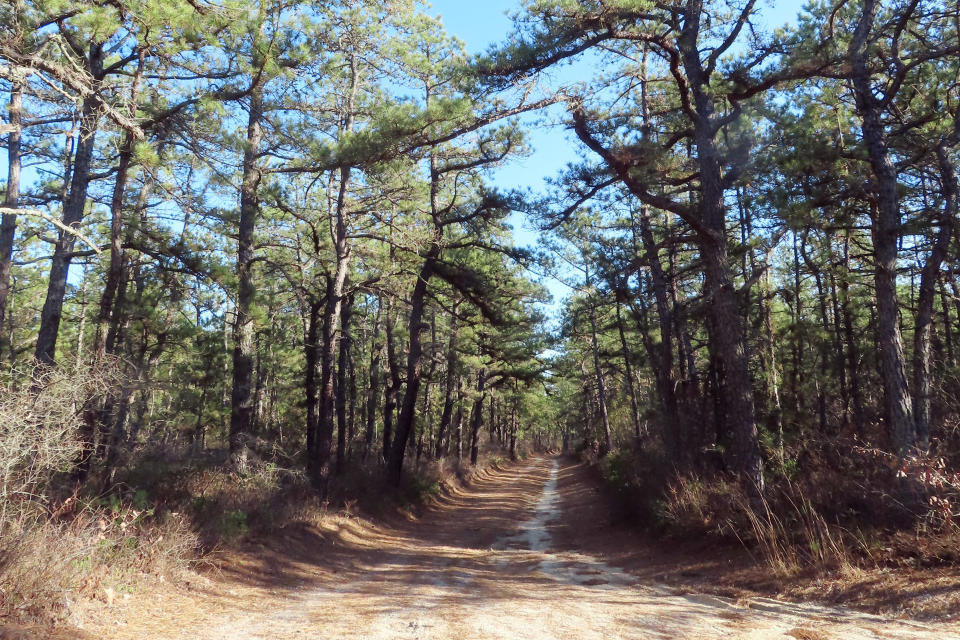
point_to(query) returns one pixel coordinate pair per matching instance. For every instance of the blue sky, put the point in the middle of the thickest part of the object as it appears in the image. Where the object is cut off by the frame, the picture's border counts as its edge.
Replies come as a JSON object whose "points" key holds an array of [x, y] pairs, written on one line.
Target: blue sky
{"points": [[481, 24]]}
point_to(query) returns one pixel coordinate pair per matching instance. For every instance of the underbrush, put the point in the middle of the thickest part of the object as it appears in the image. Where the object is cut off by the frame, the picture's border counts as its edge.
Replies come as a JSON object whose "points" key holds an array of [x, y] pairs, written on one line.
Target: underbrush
{"points": [[222, 506], [835, 506], [167, 507], [55, 547], [49, 563]]}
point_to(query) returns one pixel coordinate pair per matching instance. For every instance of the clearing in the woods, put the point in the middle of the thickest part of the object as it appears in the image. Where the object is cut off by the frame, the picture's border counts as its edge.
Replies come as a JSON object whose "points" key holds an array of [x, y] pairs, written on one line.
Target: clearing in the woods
{"points": [[524, 552]]}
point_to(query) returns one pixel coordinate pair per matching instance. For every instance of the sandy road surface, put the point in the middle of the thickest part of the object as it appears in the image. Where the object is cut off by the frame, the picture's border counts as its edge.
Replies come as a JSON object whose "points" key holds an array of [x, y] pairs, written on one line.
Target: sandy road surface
{"points": [[481, 565]]}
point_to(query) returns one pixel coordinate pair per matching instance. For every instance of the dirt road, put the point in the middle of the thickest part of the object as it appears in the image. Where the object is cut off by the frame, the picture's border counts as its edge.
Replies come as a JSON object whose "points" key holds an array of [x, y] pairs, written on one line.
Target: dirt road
{"points": [[484, 564]]}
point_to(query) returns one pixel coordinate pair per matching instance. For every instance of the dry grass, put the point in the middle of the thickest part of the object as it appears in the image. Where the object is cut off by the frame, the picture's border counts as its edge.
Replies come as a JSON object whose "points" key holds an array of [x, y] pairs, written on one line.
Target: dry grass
{"points": [[48, 565], [786, 529], [839, 507], [53, 552]]}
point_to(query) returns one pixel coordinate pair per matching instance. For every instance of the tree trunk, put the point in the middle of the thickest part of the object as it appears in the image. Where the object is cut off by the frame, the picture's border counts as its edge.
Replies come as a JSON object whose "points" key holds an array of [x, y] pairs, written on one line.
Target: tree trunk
{"points": [[796, 334], [8, 225], [342, 370], [886, 233], [838, 342], [117, 253], [241, 396], [319, 467], [947, 323], [354, 392], [598, 370], [628, 372], [73, 210], [476, 419], [513, 432], [852, 354], [393, 389], [928, 283], [414, 364], [373, 390], [727, 338], [449, 396], [823, 353], [662, 354], [310, 384], [459, 419], [773, 381]]}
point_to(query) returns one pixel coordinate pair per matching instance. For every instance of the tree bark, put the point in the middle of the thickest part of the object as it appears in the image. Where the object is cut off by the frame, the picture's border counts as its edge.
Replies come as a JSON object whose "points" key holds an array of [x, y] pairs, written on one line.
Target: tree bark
{"points": [[598, 371], [886, 233], [310, 384], [459, 419], [928, 281], [393, 388], [823, 347], [241, 396], [117, 254], [796, 333], [727, 338], [852, 353], [319, 463], [342, 370], [8, 225], [449, 396], [476, 418], [512, 435], [662, 354], [73, 210], [373, 390], [706, 215], [838, 342], [414, 365]]}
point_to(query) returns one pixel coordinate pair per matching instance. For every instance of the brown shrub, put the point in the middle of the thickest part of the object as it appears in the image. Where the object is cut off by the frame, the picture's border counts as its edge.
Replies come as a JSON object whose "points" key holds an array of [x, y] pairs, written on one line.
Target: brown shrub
{"points": [[52, 553], [786, 528]]}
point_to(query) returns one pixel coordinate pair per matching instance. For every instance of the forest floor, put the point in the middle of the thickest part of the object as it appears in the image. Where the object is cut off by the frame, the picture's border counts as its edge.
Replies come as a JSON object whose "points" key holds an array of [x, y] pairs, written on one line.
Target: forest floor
{"points": [[523, 552]]}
